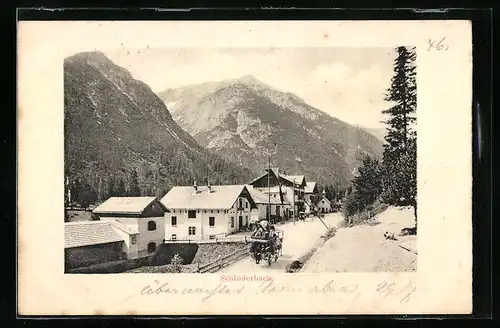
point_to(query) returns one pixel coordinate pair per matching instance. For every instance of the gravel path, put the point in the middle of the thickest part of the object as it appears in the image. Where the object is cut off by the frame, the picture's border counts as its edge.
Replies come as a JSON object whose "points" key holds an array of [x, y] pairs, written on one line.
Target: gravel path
{"points": [[363, 248], [298, 239]]}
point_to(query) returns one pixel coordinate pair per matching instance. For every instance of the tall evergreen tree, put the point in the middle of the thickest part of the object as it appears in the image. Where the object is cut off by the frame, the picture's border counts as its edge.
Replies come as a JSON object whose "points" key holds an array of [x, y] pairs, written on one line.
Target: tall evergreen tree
{"points": [[76, 191], [111, 187], [120, 190], [368, 182], [399, 155], [135, 191], [88, 195]]}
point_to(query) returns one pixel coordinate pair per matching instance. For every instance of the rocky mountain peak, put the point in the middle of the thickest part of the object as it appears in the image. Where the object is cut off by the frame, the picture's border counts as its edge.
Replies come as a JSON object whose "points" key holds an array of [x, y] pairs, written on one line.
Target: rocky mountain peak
{"points": [[249, 79]]}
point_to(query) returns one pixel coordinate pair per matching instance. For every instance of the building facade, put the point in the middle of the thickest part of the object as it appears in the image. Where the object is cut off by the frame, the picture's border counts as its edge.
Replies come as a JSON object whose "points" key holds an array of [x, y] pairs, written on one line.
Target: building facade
{"points": [[289, 189], [270, 205], [204, 212], [139, 221], [91, 242], [324, 205], [309, 191]]}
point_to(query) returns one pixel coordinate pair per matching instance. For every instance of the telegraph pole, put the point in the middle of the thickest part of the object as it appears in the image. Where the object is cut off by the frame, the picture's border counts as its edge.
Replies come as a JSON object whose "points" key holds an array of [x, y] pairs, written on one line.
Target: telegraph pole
{"points": [[293, 201], [269, 191]]}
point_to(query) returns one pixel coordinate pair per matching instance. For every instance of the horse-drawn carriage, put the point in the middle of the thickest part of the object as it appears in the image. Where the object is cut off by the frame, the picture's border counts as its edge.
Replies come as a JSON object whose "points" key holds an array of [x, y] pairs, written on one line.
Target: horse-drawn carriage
{"points": [[267, 245]]}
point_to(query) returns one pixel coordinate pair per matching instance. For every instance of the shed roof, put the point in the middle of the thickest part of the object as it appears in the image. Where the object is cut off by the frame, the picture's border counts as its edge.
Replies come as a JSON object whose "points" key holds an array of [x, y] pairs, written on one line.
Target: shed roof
{"points": [[86, 233], [129, 205], [221, 197]]}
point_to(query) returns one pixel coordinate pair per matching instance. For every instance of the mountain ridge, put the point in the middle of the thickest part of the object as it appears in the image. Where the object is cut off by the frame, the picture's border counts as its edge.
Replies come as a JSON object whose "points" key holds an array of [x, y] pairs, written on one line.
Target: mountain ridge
{"points": [[115, 124], [242, 118]]}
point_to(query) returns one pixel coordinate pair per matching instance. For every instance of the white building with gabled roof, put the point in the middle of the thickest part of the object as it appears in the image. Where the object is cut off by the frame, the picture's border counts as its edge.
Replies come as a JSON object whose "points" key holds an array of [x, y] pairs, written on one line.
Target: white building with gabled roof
{"points": [[202, 212], [324, 205], [139, 220], [309, 191]]}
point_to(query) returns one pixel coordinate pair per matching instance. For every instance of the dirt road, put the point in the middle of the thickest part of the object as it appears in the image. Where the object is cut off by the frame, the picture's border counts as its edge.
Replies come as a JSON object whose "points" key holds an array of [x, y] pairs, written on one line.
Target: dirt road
{"points": [[364, 249], [298, 239]]}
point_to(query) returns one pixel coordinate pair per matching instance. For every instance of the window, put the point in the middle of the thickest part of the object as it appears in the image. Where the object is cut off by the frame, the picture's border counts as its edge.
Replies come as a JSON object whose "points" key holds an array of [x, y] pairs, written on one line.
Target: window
{"points": [[151, 247], [211, 237], [241, 204], [134, 240], [211, 221], [174, 221], [192, 231], [197, 211], [191, 214], [173, 211], [204, 211], [246, 204], [174, 237], [151, 225], [211, 211], [217, 211], [232, 222]]}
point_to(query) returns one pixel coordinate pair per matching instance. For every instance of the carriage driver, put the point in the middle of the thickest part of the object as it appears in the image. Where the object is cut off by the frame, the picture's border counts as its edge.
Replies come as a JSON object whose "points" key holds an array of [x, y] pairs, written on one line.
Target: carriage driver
{"points": [[273, 237]]}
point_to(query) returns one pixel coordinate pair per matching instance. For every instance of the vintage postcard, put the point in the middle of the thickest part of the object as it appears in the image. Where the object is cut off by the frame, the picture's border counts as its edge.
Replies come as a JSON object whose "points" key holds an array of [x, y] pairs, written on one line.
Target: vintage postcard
{"points": [[270, 168]]}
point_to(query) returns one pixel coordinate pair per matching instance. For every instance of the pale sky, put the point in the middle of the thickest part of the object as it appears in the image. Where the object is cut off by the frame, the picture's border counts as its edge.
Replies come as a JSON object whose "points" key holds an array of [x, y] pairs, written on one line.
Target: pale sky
{"points": [[347, 83]]}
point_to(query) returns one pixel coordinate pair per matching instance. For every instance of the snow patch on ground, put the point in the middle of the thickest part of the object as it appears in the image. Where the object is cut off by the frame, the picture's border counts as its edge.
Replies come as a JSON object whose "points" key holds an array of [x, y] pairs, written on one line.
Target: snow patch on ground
{"points": [[363, 248], [299, 238]]}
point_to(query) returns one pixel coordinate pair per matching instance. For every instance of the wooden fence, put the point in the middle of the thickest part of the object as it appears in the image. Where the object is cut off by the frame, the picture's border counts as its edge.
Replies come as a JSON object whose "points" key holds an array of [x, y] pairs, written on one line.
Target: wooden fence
{"points": [[366, 215], [204, 240], [223, 261], [377, 210]]}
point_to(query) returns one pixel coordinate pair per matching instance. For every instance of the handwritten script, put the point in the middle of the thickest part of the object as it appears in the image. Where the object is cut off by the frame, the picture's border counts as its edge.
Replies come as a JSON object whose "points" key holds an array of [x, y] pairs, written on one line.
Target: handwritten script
{"points": [[345, 291], [392, 289], [439, 45]]}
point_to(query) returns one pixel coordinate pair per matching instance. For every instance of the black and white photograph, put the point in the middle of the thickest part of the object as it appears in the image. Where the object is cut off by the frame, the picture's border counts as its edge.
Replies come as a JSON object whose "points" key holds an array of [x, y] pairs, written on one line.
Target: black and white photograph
{"points": [[281, 160], [244, 167]]}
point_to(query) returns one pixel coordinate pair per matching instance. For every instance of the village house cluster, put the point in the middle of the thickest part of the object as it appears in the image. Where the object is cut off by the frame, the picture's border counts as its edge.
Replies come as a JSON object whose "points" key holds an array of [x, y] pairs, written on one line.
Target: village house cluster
{"points": [[133, 227]]}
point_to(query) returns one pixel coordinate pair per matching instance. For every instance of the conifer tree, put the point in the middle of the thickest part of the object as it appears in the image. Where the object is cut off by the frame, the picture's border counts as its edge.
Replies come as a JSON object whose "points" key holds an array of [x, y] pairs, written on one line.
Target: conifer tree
{"points": [[111, 187], [135, 191], [120, 190], [368, 182], [76, 191], [399, 155]]}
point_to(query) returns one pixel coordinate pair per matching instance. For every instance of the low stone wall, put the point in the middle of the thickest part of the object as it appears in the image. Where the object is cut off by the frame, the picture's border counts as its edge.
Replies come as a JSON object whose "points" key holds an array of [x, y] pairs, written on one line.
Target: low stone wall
{"points": [[165, 253], [208, 253], [193, 256], [111, 267], [92, 255]]}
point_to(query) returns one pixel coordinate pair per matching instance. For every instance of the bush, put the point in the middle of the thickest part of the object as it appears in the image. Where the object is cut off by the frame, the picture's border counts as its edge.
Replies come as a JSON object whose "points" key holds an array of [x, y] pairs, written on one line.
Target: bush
{"points": [[350, 206], [176, 263]]}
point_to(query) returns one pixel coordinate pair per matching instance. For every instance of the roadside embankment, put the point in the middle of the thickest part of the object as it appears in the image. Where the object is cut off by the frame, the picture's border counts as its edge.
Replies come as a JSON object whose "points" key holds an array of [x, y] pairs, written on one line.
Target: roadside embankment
{"points": [[296, 265]]}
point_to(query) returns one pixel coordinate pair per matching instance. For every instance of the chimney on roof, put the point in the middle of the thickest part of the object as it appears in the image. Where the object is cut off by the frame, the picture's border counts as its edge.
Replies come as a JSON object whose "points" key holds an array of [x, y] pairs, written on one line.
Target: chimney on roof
{"points": [[195, 186]]}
